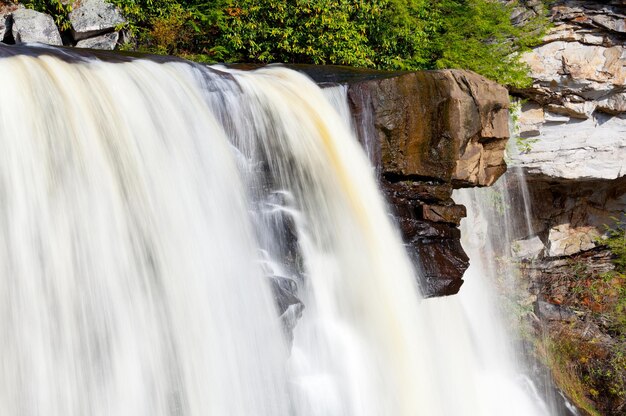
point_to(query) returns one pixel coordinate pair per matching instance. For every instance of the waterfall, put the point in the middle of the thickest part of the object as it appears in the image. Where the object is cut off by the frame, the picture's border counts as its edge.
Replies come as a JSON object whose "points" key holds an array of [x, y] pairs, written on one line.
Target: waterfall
{"points": [[184, 240], [492, 298]]}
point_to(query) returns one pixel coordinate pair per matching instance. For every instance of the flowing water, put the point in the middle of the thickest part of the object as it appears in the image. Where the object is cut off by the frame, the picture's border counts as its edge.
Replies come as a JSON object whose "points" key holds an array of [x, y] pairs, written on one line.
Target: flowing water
{"points": [[149, 213]]}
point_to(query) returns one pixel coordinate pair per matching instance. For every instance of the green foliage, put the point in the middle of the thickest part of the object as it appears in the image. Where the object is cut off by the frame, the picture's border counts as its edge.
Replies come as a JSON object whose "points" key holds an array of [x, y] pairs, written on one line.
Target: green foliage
{"points": [[303, 31], [523, 145], [55, 8], [479, 35], [176, 27], [615, 240], [588, 371], [383, 34]]}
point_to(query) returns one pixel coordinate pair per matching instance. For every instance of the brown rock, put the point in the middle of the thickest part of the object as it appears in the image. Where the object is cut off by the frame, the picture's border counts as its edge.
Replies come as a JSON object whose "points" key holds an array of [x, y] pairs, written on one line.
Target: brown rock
{"points": [[441, 213], [435, 125], [427, 132]]}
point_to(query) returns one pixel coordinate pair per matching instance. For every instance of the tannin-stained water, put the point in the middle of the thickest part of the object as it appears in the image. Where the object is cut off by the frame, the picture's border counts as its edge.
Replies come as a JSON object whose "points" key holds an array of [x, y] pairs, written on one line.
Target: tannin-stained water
{"points": [[147, 211]]}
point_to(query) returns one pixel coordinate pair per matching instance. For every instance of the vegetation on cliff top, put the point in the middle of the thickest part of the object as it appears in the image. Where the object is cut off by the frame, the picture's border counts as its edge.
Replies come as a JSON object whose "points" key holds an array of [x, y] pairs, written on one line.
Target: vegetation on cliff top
{"points": [[383, 34]]}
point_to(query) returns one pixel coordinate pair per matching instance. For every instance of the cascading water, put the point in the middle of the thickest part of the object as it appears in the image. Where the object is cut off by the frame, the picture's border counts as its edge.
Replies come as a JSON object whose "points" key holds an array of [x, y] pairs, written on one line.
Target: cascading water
{"points": [[147, 211], [490, 298]]}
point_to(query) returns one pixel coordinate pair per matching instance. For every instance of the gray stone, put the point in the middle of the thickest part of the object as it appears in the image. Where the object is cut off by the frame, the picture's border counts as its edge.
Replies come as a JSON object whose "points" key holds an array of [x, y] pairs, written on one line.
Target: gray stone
{"points": [[614, 104], [579, 149], [94, 17], [613, 23], [106, 42], [551, 312], [290, 308], [31, 26], [579, 75], [529, 248], [556, 117]]}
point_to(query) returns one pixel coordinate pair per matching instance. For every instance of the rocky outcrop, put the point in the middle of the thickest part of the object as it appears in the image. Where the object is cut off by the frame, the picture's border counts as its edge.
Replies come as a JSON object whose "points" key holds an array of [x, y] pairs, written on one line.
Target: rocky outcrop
{"points": [[428, 132], [31, 26], [94, 25], [577, 103], [92, 18], [573, 151], [569, 216]]}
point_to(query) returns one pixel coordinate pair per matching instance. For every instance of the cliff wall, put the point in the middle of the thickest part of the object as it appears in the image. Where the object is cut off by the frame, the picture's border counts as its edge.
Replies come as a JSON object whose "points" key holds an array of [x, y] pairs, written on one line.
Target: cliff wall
{"points": [[572, 126]]}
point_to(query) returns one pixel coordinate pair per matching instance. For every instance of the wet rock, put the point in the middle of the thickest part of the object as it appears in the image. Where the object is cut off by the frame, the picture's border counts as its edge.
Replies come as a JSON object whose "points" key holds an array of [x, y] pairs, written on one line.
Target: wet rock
{"points": [[428, 192], [551, 312], [105, 42], [442, 213], [31, 26], [284, 290], [289, 306], [448, 125], [427, 133], [94, 17], [442, 263]]}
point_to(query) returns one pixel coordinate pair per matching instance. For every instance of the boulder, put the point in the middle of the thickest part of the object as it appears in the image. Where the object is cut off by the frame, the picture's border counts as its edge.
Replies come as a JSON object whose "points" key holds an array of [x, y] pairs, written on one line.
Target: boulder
{"points": [[289, 307], [31, 26], [528, 248], [106, 42], [449, 125], [94, 17], [565, 240]]}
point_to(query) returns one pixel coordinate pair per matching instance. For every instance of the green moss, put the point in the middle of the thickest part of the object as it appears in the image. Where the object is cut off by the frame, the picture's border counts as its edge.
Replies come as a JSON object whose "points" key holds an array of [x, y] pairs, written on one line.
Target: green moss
{"points": [[565, 358]]}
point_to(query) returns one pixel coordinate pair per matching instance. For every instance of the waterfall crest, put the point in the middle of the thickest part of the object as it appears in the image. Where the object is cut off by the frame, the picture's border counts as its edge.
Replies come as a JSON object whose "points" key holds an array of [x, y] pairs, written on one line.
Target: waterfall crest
{"points": [[145, 206], [150, 212]]}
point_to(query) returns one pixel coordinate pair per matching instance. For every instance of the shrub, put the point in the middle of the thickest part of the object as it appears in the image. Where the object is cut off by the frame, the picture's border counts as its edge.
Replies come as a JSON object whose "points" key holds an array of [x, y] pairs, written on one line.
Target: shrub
{"points": [[55, 8], [383, 34]]}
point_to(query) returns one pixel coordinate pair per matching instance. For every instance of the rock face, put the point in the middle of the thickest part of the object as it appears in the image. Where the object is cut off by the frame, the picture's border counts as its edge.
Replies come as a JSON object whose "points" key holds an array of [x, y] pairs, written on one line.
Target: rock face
{"points": [[574, 125], [435, 131], [31, 26], [568, 217], [577, 104], [94, 17], [432, 131]]}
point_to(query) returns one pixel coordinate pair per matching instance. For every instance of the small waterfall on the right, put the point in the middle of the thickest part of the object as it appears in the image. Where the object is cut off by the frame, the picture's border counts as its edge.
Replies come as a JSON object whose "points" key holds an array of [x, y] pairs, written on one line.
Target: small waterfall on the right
{"points": [[495, 300]]}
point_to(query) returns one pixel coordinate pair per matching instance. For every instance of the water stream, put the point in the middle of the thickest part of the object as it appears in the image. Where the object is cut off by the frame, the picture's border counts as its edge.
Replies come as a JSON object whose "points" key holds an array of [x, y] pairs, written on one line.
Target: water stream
{"points": [[149, 213]]}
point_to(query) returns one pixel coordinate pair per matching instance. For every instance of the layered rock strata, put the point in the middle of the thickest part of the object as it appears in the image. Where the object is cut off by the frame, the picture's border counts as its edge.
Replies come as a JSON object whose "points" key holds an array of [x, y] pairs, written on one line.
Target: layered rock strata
{"points": [[573, 152], [577, 103]]}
